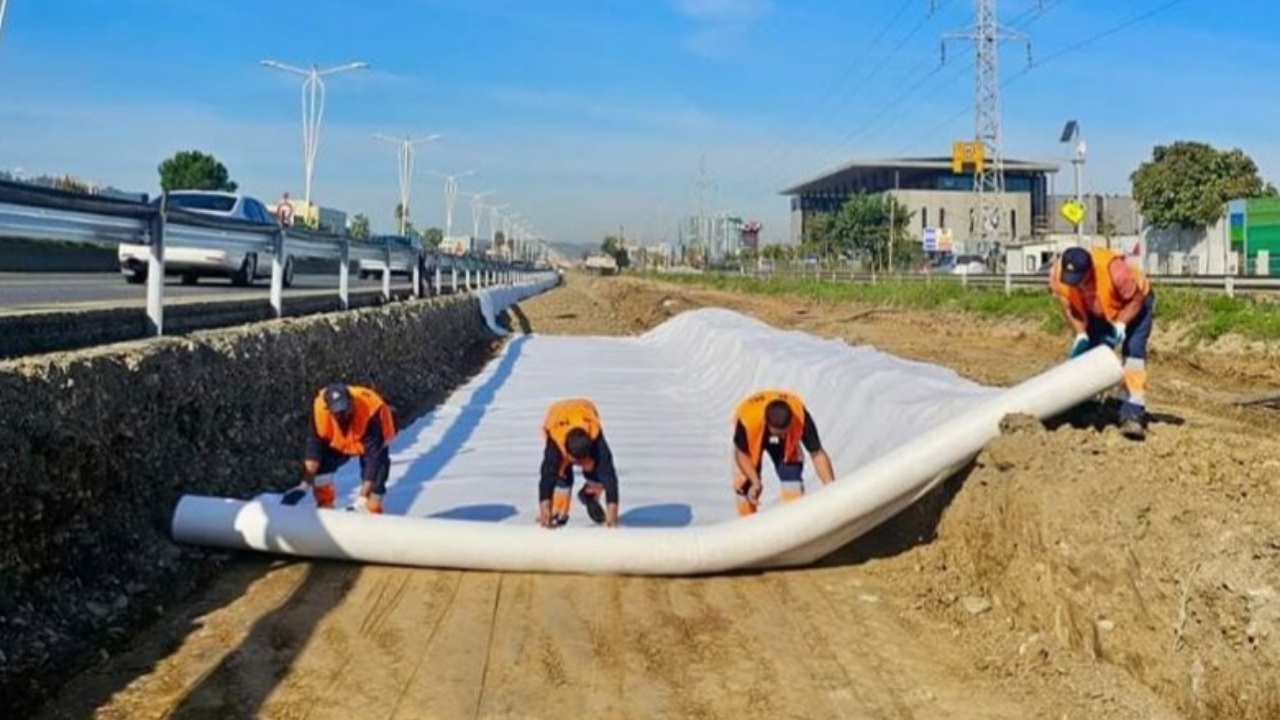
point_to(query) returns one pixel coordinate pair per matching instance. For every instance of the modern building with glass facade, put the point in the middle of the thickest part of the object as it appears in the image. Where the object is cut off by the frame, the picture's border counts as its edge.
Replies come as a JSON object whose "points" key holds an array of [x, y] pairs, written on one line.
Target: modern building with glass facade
{"points": [[943, 202]]}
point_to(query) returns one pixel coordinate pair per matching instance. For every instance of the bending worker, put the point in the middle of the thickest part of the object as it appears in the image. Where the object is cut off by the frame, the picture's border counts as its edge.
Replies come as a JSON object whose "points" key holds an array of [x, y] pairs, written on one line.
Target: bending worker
{"points": [[1106, 302], [349, 421], [776, 422], [574, 437]]}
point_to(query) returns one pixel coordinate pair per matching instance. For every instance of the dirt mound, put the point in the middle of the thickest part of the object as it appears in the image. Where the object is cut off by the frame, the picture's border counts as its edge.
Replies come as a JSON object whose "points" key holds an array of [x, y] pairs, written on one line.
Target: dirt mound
{"points": [[1159, 558]]}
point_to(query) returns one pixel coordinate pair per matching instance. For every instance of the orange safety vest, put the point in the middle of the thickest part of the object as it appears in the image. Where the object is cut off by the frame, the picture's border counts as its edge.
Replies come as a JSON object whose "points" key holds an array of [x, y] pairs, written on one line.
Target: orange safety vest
{"points": [[1103, 288], [565, 416], [751, 413], [365, 404]]}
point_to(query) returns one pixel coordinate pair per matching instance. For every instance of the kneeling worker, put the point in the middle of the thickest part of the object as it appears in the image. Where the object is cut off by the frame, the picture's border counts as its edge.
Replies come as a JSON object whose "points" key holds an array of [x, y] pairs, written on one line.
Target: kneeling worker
{"points": [[349, 421], [777, 422], [1107, 302], [574, 437]]}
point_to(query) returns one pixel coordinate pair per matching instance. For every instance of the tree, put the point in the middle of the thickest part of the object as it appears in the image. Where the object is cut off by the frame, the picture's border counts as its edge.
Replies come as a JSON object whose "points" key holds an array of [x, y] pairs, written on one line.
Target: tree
{"points": [[1187, 184], [613, 245], [863, 225], [360, 227], [431, 238], [194, 170], [70, 184]]}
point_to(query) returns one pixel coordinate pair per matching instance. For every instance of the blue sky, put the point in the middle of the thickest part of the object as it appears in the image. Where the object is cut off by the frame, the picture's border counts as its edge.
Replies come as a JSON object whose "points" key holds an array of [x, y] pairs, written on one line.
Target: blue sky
{"points": [[587, 115]]}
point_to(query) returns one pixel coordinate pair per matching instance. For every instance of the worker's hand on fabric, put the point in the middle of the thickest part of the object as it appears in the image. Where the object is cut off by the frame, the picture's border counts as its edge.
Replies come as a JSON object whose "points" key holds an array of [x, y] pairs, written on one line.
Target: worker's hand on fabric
{"points": [[1078, 346], [544, 515], [611, 515], [1117, 336]]}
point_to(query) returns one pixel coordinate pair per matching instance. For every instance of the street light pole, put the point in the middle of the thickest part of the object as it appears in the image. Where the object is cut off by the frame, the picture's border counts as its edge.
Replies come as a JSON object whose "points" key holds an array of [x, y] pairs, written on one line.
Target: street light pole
{"points": [[493, 222], [450, 196], [313, 92], [477, 212], [405, 153], [3, 4], [1071, 133]]}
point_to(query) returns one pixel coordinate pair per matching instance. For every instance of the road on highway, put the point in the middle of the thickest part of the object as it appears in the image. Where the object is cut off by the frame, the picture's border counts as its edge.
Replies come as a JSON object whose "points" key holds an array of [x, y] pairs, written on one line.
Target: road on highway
{"points": [[22, 292]]}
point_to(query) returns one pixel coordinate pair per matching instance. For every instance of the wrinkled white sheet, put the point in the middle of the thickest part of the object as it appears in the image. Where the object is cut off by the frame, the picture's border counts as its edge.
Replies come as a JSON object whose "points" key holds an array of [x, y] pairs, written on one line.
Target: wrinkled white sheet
{"points": [[666, 400]]}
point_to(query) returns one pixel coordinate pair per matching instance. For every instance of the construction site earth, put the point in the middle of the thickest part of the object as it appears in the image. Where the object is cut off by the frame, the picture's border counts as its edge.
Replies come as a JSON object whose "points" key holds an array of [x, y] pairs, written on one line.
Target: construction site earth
{"points": [[1068, 573]]}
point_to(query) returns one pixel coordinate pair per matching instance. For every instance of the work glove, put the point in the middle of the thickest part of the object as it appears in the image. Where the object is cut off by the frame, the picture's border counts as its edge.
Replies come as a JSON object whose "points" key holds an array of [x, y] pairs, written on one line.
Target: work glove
{"points": [[1079, 346], [1116, 338]]}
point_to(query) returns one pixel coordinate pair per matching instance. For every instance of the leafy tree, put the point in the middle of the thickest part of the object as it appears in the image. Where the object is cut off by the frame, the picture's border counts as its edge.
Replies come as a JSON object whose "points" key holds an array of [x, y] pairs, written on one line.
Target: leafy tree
{"points": [[613, 245], [360, 227], [1187, 184], [863, 226], [431, 238], [194, 170], [70, 184]]}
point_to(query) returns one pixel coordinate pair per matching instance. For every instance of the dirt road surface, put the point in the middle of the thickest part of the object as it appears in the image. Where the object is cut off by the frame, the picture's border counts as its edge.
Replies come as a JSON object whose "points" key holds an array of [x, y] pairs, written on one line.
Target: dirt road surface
{"points": [[1068, 574]]}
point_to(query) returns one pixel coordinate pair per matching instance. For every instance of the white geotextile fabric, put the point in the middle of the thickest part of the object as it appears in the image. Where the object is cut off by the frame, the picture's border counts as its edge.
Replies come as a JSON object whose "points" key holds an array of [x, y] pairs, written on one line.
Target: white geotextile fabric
{"points": [[464, 479], [666, 400]]}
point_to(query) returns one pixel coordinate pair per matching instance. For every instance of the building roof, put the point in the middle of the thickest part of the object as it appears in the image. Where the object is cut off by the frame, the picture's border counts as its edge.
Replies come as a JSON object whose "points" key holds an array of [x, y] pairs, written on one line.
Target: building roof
{"points": [[852, 170]]}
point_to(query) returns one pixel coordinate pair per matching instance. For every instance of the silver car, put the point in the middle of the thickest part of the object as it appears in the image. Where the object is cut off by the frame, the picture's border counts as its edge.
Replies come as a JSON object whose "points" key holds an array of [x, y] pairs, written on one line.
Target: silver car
{"points": [[193, 263]]}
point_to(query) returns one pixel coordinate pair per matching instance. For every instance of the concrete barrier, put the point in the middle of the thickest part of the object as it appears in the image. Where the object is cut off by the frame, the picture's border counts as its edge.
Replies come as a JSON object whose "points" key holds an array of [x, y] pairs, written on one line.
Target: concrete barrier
{"points": [[97, 445]]}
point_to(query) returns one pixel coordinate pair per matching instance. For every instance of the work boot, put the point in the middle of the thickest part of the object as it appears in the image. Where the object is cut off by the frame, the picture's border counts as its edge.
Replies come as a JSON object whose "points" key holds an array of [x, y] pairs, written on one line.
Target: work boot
{"points": [[1133, 429], [595, 510]]}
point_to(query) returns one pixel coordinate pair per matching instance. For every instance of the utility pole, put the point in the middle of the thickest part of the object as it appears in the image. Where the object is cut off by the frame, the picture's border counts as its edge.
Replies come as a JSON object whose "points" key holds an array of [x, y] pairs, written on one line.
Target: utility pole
{"points": [[986, 34]]}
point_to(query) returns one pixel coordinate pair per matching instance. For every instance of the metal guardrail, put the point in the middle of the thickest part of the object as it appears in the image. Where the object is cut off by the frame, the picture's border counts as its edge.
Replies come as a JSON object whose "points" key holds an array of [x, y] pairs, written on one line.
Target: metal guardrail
{"points": [[1228, 284], [33, 213]]}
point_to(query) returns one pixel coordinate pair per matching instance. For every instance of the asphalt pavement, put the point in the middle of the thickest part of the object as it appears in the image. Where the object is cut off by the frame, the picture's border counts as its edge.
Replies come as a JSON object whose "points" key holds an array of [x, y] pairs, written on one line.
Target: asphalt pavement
{"points": [[23, 292]]}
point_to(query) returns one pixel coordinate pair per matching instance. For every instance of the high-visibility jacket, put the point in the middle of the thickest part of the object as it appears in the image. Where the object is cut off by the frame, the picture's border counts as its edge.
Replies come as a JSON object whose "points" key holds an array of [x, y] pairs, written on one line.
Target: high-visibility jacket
{"points": [[1104, 289], [365, 405], [565, 416], [751, 414]]}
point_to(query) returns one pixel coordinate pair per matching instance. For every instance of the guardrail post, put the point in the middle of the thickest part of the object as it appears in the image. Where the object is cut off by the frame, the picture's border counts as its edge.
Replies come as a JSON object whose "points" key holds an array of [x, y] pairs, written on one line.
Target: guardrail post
{"points": [[344, 273], [468, 279], [453, 278], [277, 273], [155, 270], [964, 279], [1229, 284], [386, 272], [1008, 281], [435, 287], [417, 274]]}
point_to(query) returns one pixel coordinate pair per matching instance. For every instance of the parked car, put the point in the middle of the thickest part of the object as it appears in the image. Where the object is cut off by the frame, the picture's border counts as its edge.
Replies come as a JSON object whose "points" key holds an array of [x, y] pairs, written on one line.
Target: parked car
{"points": [[194, 263], [401, 265], [961, 265]]}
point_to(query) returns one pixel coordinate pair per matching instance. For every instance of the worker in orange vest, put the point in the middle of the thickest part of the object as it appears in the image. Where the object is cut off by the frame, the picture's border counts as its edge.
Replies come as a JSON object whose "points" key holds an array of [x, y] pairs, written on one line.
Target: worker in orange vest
{"points": [[1106, 302], [347, 421], [573, 436], [776, 422]]}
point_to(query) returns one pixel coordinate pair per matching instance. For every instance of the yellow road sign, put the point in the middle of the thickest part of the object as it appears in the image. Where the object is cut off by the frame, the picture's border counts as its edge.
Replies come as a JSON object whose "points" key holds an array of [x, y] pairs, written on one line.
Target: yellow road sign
{"points": [[1072, 212], [966, 153]]}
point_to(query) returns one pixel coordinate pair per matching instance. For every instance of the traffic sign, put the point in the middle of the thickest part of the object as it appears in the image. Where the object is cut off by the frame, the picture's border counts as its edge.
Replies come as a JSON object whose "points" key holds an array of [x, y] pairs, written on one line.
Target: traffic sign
{"points": [[1072, 211]]}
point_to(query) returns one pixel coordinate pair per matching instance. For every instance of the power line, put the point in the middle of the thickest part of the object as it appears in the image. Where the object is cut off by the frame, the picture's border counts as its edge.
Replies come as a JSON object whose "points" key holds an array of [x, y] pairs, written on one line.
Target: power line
{"points": [[1057, 54], [875, 71], [1080, 45]]}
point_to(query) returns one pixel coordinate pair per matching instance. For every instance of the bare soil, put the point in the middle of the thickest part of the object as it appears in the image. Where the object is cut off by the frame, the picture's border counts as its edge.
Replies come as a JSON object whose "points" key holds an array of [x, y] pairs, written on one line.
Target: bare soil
{"points": [[1069, 573]]}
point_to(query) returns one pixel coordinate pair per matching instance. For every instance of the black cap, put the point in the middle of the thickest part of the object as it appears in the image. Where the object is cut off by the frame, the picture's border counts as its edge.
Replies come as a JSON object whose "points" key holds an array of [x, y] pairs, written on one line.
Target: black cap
{"points": [[1075, 264], [337, 398]]}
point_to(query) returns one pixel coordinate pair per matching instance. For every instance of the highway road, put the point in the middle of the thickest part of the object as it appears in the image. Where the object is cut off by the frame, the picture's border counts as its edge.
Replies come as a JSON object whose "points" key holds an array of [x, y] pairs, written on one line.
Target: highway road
{"points": [[23, 292]]}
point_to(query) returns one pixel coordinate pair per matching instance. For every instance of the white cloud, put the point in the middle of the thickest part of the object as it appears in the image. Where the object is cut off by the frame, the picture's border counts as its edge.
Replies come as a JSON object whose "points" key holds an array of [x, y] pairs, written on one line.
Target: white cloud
{"points": [[724, 11], [724, 25]]}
